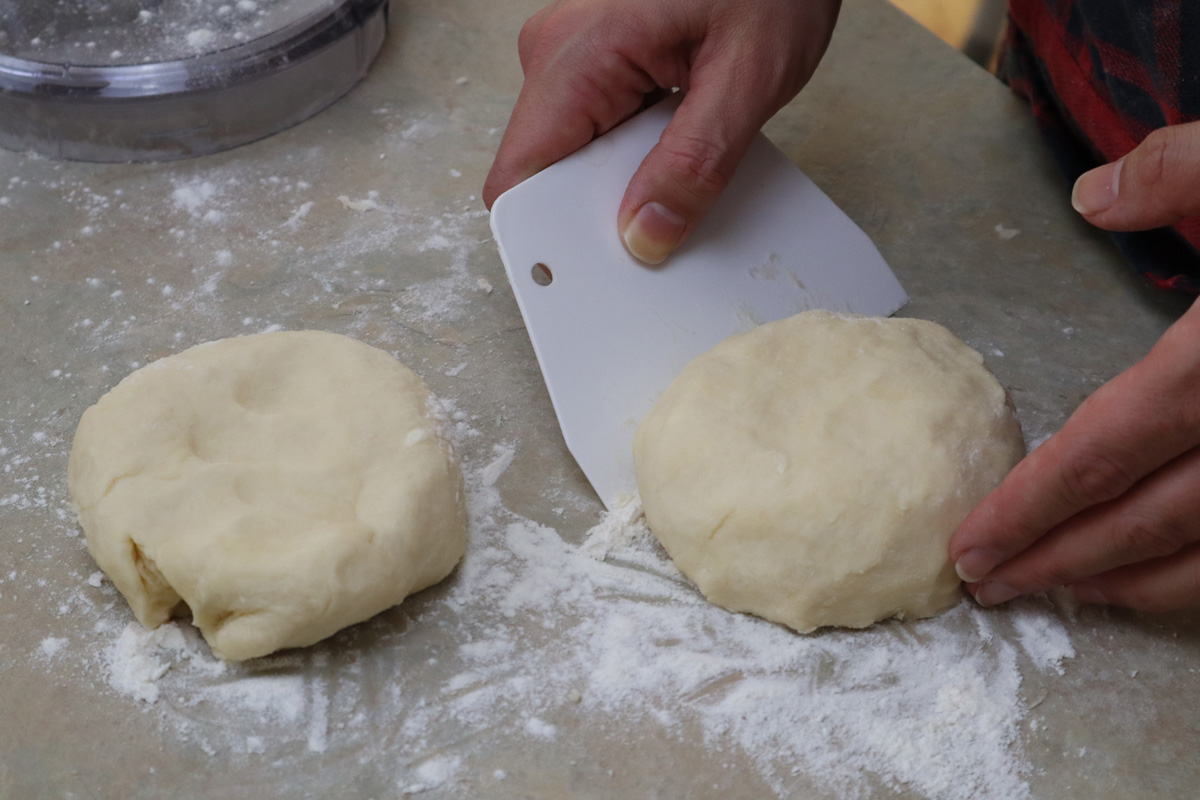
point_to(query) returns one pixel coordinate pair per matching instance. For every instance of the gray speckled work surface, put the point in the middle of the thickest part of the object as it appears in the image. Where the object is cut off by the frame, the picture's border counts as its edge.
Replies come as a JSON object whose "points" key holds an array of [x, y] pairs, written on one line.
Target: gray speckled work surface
{"points": [[535, 671]]}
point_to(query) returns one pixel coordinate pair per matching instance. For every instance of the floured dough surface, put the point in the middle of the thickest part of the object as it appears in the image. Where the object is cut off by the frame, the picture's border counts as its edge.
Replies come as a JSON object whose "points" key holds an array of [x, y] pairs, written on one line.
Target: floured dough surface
{"points": [[283, 486], [812, 470]]}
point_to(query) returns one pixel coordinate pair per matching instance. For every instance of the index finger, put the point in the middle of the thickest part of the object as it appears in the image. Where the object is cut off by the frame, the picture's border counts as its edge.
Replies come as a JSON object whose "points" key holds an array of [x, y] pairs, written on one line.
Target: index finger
{"points": [[1129, 427]]}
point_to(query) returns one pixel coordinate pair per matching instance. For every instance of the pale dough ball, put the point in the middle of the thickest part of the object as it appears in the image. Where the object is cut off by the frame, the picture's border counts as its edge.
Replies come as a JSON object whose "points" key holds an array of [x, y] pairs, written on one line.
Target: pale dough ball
{"points": [[283, 486], [811, 471]]}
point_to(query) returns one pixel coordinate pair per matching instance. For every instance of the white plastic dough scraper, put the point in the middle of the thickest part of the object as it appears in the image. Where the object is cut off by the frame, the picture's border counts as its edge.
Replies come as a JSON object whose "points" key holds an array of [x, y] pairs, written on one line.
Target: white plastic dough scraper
{"points": [[610, 333]]}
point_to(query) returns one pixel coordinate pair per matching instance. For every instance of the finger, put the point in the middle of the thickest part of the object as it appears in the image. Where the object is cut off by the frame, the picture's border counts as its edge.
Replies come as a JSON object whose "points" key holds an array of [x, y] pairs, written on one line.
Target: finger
{"points": [[693, 162], [1129, 427], [737, 82], [1156, 518], [572, 95], [1156, 184], [1164, 584]]}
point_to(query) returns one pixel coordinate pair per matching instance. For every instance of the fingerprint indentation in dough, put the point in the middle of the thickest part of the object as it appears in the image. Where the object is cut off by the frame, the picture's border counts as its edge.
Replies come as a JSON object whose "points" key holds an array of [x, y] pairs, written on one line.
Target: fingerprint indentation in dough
{"points": [[199, 444], [284, 494], [261, 393]]}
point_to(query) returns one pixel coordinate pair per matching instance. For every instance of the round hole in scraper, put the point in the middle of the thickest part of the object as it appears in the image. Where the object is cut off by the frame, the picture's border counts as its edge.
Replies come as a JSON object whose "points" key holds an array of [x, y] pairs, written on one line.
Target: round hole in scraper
{"points": [[542, 275]]}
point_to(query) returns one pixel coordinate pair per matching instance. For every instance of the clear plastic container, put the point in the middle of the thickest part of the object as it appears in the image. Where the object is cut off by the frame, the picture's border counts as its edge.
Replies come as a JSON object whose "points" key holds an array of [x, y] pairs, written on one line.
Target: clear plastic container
{"points": [[155, 80]]}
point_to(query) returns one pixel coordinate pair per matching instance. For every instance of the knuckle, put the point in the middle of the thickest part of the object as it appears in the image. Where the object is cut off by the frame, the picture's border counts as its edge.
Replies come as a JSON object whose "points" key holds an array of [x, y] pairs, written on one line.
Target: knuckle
{"points": [[1094, 476], [1164, 156], [527, 39], [698, 165], [1037, 570], [1145, 537], [1155, 152], [1046, 576], [539, 33]]}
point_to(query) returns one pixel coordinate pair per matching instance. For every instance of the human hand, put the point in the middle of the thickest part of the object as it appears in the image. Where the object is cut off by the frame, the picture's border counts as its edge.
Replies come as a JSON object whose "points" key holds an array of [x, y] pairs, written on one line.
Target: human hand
{"points": [[1156, 184], [1110, 505], [590, 64]]}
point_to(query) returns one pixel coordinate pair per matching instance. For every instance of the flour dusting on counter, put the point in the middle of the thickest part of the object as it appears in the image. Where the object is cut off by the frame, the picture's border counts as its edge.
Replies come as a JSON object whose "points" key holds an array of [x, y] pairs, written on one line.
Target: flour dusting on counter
{"points": [[495, 468], [534, 639], [536, 634], [618, 529], [542, 629]]}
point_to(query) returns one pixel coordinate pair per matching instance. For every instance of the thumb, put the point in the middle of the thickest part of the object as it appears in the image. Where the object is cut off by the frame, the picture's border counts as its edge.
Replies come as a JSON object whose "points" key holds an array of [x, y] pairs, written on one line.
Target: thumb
{"points": [[687, 170], [1156, 184]]}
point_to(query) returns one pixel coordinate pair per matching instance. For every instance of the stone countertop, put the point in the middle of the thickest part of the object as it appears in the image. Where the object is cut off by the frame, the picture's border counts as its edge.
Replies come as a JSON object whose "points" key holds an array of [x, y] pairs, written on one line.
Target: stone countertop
{"points": [[535, 671]]}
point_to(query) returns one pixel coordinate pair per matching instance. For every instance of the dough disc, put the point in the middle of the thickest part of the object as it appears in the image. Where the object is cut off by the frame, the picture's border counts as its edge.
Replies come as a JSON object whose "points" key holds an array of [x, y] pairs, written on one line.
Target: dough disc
{"points": [[812, 471], [282, 486]]}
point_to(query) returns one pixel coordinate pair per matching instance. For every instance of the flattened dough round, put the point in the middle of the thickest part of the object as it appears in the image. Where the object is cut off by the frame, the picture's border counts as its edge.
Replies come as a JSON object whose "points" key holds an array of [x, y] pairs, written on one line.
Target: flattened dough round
{"points": [[811, 471], [283, 486]]}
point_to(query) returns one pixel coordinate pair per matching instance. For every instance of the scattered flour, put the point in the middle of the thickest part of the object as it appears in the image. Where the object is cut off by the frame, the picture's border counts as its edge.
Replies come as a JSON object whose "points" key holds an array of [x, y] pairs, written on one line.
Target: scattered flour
{"points": [[199, 37], [531, 629], [134, 667], [1044, 640], [432, 774], [617, 530], [932, 707], [51, 646], [194, 197], [300, 213], [225, 203], [357, 205], [492, 472], [540, 729], [421, 130]]}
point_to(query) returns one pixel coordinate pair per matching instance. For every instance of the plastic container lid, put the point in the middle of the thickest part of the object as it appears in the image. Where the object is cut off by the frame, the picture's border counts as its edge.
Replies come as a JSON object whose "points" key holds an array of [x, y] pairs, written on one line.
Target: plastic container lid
{"points": [[154, 80]]}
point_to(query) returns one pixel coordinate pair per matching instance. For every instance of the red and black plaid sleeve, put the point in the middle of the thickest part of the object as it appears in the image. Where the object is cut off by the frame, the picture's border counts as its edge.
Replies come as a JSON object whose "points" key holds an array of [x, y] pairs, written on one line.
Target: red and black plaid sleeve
{"points": [[1101, 75]]}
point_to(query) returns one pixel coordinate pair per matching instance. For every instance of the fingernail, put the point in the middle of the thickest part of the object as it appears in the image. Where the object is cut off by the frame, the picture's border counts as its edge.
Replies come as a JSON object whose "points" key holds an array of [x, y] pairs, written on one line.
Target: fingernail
{"points": [[974, 565], [993, 594], [1089, 595], [654, 233], [1096, 191]]}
